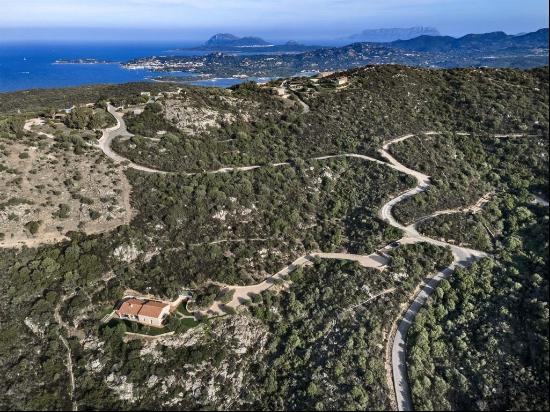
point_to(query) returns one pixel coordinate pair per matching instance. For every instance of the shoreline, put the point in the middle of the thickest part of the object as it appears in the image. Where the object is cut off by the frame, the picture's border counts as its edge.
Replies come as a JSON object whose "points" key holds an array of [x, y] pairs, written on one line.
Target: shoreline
{"points": [[86, 61]]}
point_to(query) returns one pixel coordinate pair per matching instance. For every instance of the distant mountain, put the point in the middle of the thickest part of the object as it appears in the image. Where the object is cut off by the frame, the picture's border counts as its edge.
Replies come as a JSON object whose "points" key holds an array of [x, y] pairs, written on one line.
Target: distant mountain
{"points": [[389, 35], [536, 37], [486, 42], [495, 49], [226, 42], [221, 38], [230, 40]]}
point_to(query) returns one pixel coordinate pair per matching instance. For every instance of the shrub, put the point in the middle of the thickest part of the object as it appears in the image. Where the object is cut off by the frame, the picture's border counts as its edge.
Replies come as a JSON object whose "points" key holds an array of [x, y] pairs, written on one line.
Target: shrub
{"points": [[64, 211], [33, 226]]}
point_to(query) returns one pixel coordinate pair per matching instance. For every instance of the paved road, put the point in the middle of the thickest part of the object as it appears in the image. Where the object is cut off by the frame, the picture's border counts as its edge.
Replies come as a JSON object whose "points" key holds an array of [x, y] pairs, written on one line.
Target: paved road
{"points": [[462, 256]]}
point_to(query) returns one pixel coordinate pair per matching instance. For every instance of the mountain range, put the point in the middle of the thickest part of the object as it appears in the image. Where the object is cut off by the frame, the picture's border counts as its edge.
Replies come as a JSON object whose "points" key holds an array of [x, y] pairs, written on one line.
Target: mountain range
{"points": [[495, 49], [475, 42], [420, 39], [224, 41], [392, 34], [228, 42]]}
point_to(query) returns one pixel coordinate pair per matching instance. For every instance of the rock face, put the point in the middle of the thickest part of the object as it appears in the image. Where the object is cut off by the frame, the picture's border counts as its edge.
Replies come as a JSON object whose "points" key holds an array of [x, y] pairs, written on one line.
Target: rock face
{"points": [[389, 35], [191, 119], [218, 385], [126, 253]]}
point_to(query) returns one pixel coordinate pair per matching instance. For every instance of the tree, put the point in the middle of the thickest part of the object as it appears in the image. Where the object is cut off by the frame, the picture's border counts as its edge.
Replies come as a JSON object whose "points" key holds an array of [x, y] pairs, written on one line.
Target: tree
{"points": [[33, 226]]}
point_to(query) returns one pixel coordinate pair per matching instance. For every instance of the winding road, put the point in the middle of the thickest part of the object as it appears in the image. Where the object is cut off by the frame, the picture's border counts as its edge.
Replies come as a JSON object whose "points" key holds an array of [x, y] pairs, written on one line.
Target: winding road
{"points": [[462, 256], [120, 130]]}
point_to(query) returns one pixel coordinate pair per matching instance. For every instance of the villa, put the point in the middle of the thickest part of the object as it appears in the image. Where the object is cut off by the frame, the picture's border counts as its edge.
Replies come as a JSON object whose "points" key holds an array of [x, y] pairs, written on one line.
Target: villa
{"points": [[339, 81], [147, 312]]}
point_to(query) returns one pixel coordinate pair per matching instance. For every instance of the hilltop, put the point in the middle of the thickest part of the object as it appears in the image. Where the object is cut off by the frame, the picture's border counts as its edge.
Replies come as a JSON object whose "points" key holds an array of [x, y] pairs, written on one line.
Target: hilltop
{"points": [[308, 218], [474, 50], [230, 40], [472, 43]]}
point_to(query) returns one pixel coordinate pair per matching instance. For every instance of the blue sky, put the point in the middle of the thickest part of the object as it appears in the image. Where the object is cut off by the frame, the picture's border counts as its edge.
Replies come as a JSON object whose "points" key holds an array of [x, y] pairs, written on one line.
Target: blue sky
{"points": [[273, 19]]}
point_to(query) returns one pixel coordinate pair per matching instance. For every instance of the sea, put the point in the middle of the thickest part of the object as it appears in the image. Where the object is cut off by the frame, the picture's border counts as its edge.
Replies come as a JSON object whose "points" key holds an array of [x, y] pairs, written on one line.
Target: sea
{"points": [[32, 65]]}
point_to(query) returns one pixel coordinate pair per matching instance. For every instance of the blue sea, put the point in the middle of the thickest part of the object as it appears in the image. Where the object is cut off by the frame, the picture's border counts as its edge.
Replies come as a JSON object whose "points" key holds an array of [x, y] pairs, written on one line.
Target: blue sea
{"points": [[32, 65]]}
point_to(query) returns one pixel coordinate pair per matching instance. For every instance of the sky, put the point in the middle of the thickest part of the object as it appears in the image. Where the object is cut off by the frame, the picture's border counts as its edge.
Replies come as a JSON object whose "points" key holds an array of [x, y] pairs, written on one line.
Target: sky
{"points": [[305, 20]]}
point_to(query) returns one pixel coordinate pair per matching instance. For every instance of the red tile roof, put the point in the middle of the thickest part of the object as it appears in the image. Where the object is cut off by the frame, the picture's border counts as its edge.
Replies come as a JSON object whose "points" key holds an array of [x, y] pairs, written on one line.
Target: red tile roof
{"points": [[130, 307], [152, 309], [135, 307]]}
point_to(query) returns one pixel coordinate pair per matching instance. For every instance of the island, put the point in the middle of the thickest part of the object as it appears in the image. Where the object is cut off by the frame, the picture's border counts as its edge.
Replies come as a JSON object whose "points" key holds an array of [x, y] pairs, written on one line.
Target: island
{"points": [[84, 61], [480, 50]]}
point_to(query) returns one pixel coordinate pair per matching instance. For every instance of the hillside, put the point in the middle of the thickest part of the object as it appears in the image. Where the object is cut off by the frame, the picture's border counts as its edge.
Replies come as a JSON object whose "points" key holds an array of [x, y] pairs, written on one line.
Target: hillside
{"points": [[302, 223], [487, 42], [230, 40], [474, 50]]}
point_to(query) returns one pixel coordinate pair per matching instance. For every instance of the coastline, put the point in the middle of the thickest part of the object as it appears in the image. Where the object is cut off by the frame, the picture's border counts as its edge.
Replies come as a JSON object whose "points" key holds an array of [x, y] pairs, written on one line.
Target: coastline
{"points": [[86, 61]]}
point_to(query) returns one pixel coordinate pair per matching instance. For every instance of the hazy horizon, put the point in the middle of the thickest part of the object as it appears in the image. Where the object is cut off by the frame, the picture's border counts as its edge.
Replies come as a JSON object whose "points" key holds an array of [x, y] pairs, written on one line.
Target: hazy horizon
{"points": [[194, 21]]}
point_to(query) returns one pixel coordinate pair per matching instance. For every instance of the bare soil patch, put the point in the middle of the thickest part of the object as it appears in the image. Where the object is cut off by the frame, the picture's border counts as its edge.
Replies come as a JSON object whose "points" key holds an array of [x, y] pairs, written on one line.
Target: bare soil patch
{"points": [[60, 191]]}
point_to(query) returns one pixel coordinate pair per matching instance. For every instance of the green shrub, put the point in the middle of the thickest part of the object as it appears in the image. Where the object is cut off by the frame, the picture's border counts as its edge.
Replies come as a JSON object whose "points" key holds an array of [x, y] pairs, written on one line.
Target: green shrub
{"points": [[33, 226]]}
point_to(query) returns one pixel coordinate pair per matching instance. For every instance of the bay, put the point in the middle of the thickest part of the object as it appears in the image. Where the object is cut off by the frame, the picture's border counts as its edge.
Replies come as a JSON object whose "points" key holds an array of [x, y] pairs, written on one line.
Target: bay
{"points": [[32, 65]]}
